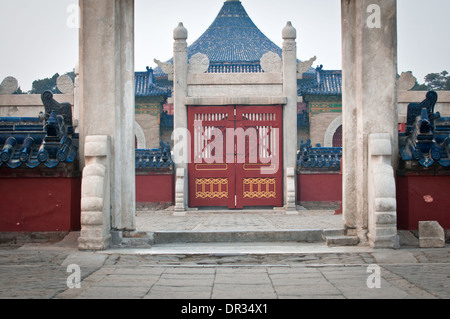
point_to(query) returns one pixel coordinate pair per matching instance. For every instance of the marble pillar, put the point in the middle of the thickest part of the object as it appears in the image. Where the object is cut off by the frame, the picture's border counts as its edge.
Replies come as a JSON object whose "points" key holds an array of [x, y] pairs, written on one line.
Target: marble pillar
{"points": [[369, 44], [106, 95]]}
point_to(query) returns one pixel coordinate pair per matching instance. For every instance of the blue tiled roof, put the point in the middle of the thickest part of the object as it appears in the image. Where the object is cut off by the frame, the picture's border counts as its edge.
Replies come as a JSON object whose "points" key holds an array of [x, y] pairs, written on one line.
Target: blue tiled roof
{"points": [[45, 141], [233, 43], [326, 82], [233, 38], [318, 158], [145, 85], [159, 158], [159, 74]]}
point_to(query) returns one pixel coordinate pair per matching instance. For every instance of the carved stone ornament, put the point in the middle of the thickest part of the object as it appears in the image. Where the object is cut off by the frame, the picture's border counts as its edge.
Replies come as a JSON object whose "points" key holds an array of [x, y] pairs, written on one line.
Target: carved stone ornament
{"points": [[199, 63], [180, 46], [303, 67], [65, 84], [271, 62], [180, 32], [167, 68], [406, 81], [9, 85], [289, 45], [289, 32]]}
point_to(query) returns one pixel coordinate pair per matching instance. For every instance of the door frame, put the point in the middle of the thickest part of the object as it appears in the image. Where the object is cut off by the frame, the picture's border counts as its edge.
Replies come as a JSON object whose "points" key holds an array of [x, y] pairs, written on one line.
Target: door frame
{"points": [[264, 188]]}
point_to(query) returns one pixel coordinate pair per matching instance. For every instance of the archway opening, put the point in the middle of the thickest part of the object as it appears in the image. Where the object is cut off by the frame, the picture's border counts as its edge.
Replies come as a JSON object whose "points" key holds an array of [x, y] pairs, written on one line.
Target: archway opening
{"points": [[337, 137]]}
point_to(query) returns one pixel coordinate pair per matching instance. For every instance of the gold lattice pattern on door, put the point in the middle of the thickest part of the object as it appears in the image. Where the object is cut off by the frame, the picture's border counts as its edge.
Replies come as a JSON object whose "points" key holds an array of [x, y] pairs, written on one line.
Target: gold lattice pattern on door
{"points": [[260, 188], [211, 188]]}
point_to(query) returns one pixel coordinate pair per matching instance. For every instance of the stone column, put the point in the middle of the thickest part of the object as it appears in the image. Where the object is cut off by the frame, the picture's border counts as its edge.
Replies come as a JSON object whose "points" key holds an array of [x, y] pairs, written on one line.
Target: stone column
{"points": [[289, 114], [181, 142], [369, 44], [107, 95], [125, 218], [76, 94], [349, 116]]}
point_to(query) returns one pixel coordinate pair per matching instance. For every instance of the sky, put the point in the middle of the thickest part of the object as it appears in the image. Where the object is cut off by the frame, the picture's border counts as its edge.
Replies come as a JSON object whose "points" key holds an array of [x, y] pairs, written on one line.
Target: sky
{"points": [[38, 37]]}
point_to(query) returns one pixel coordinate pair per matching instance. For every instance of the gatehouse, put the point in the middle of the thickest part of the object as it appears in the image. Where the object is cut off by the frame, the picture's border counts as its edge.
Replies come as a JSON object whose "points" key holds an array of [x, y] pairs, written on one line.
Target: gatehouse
{"points": [[237, 103]]}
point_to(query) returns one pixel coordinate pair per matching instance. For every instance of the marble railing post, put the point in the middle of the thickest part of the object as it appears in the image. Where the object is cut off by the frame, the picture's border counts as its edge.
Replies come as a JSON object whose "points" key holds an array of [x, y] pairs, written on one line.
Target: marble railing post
{"points": [[289, 113], [180, 136]]}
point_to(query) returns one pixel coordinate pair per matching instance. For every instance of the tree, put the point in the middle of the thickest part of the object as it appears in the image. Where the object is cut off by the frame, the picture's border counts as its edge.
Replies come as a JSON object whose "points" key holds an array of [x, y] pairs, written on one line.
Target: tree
{"points": [[420, 87], [48, 84], [19, 91], [434, 81], [438, 81]]}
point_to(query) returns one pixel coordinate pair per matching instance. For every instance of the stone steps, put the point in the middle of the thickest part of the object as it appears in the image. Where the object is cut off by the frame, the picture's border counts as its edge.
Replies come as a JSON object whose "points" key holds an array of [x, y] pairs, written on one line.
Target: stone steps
{"points": [[332, 237], [342, 240]]}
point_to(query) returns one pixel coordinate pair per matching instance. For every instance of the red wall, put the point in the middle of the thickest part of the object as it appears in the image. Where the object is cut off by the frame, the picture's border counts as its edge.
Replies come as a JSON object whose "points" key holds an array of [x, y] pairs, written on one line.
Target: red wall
{"points": [[40, 204], [423, 198], [48, 204], [155, 188], [319, 187], [52, 204]]}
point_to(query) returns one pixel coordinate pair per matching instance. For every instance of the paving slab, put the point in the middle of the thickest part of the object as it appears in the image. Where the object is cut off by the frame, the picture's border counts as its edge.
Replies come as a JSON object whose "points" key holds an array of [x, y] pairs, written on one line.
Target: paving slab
{"points": [[390, 256], [236, 220], [237, 248], [266, 270]]}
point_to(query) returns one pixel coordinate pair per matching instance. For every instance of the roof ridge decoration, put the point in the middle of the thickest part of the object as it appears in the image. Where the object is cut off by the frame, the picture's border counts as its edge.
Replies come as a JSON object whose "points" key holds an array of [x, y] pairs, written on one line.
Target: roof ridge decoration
{"points": [[426, 140], [166, 67], [304, 66], [63, 109]]}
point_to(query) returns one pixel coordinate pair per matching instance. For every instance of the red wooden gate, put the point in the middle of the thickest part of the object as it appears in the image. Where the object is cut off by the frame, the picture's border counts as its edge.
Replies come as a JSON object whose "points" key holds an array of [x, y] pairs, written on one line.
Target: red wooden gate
{"points": [[236, 156]]}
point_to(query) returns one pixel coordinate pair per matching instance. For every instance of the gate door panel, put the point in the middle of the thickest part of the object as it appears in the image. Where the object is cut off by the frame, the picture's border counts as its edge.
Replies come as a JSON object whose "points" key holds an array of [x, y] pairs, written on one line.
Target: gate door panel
{"points": [[211, 178], [259, 163], [235, 156]]}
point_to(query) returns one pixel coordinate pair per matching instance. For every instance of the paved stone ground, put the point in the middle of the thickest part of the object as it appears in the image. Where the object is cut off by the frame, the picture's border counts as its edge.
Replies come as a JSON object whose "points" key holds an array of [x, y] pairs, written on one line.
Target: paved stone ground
{"points": [[148, 220], [40, 271]]}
